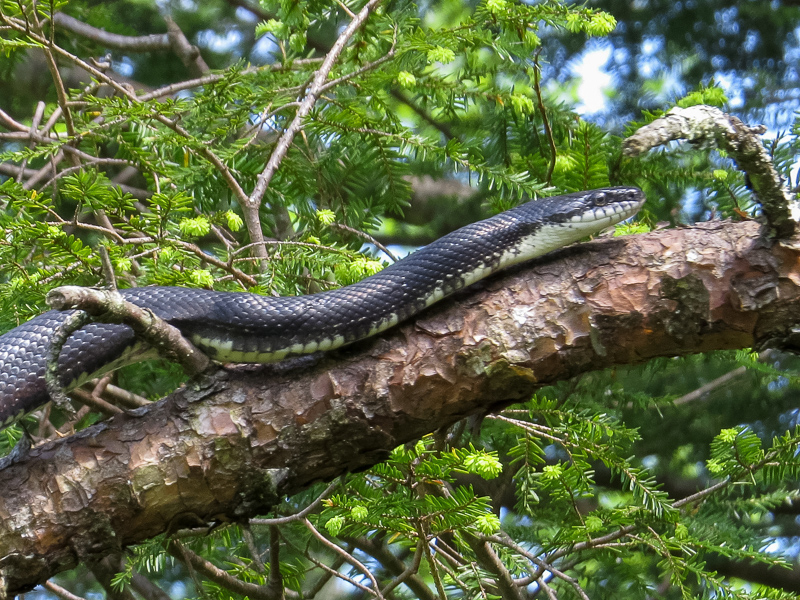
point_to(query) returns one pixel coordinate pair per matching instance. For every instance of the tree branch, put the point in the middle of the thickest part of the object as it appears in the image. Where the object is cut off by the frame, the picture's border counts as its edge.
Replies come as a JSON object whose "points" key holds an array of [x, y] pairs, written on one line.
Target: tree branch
{"points": [[188, 53], [709, 127], [109, 307], [142, 43], [282, 147], [232, 443], [219, 576]]}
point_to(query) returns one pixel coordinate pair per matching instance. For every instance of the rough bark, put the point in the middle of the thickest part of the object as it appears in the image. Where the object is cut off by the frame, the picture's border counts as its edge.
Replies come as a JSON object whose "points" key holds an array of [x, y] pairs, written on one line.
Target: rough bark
{"points": [[232, 443]]}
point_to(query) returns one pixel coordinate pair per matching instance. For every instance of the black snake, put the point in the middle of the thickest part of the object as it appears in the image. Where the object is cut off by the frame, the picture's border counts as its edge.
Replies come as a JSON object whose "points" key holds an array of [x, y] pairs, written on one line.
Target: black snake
{"points": [[247, 328]]}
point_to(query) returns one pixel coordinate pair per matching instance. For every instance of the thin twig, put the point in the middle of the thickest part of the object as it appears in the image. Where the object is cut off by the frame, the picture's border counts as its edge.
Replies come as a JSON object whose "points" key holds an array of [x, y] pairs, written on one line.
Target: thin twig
{"points": [[411, 570], [275, 582], [505, 540], [143, 43], [375, 590], [367, 237], [299, 515], [129, 399], [217, 575], [548, 130], [108, 267], [282, 147], [250, 540], [9, 123], [287, 243], [169, 90], [61, 91], [96, 403], [364, 69], [59, 591], [188, 53], [437, 578], [72, 323], [341, 558]]}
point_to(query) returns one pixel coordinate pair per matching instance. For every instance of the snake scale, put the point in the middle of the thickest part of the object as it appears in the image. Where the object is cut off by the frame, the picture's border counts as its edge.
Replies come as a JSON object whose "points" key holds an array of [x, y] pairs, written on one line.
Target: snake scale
{"points": [[247, 328]]}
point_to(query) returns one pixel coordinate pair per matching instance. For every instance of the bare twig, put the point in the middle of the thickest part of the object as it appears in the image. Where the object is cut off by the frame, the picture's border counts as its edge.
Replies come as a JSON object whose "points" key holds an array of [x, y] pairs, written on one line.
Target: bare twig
{"points": [[300, 515], [437, 578], [489, 559], [16, 171], [108, 268], [61, 91], [288, 243], [217, 575], [349, 558], [326, 576], [126, 398], [59, 591], [250, 540], [546, 123], [368, 237], [54, 386], [367, 67], [275, 582], [174, 88], [544, 567], [109, 306], [37, 118], [410, 571], [240, 276], [187, 52], [96, 403], [144, 43], [253, 203], [9, 123], [334, 570], [707, 126], [443, 128]]}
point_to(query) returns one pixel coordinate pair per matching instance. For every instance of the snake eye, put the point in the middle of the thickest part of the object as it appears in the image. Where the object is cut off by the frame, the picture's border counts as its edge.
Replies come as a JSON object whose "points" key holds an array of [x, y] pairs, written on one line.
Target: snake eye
{"points": [[600, 199]]}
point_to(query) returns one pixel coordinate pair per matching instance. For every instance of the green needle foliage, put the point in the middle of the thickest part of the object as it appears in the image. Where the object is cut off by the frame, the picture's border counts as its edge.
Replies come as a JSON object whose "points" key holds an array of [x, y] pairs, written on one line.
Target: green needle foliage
{"points": [[598, 487]]}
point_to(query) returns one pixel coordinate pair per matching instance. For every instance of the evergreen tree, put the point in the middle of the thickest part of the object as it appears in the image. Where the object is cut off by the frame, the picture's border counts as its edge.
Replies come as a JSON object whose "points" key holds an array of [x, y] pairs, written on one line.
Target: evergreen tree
{"points": [[278, 149]]}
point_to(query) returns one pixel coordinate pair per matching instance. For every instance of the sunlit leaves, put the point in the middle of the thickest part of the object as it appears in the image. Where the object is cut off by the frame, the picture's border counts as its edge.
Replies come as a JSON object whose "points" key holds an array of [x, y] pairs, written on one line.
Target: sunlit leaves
{"points": [[441, 54], [355, 270], [483, 464], [408, 494], [326, 217], [233, 220], [406, 79], [194, 227], [273, 26], [712, 95]]}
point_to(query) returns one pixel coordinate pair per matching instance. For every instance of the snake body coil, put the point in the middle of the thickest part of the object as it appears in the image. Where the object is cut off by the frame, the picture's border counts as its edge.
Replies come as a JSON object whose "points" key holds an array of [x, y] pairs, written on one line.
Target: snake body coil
{"points": [[240, 327]]}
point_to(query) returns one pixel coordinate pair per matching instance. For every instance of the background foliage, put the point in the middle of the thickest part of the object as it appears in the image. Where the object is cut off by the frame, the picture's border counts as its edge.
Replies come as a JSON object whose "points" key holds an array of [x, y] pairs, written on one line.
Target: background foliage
{"points": [[675, 479]]}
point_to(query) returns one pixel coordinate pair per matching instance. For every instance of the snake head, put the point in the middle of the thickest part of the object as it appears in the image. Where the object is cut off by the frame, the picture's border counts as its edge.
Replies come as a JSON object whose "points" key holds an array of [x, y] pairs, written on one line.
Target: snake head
{"points": [[586, 212]]}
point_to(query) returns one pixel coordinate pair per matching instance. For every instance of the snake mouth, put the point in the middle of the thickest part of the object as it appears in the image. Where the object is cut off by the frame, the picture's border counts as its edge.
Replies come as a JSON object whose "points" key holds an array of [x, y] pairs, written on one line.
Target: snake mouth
{"points": [[598, 217], [599, 209]]}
